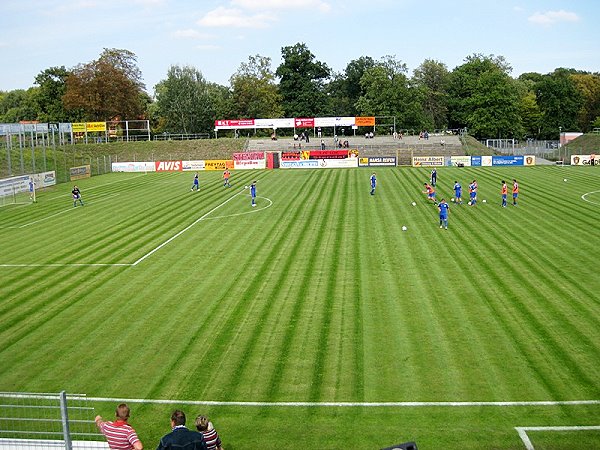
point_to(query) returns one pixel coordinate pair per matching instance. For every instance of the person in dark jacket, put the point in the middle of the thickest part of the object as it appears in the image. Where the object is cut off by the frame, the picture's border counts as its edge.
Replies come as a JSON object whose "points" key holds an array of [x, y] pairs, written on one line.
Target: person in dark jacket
{"points": [[180, 438]]}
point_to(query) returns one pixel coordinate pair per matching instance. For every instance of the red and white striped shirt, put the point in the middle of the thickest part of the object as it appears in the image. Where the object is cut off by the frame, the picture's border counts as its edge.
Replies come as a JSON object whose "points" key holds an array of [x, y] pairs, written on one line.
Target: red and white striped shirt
{"points": [[119, 435]]}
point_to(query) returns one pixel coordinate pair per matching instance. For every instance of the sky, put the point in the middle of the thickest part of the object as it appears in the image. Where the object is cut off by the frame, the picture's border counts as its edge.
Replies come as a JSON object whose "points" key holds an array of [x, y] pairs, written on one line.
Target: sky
{"points": [[216, 36]]}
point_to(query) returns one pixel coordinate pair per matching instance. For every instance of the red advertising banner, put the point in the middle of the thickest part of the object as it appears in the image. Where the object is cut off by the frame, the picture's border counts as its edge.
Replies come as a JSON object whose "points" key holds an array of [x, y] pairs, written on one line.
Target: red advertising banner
{"points": [[328, 154], [290, 156], [250, 156], [168, 166], [235, 123], [304, 122]]}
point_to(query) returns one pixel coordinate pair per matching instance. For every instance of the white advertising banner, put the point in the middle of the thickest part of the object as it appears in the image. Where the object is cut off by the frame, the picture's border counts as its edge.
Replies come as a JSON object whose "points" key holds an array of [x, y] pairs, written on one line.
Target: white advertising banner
{"points": [[147, 166], [300, 164], [9, 186], [338, 163], [334, 121], [191, 166], [422, 161], [242, 164], [274, 123], [584, 160], [486, 161], [44, 179], [529, 160], [462, 161]]}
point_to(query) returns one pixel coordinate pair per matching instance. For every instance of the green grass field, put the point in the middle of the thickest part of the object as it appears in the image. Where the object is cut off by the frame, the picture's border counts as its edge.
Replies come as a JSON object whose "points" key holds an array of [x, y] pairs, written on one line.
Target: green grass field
{"points": [[345, 331]]}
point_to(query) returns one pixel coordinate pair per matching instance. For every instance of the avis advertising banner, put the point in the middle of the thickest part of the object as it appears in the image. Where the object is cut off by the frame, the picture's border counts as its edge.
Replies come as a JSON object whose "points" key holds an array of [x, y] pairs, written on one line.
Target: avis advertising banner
{"points": [[168, 166]]}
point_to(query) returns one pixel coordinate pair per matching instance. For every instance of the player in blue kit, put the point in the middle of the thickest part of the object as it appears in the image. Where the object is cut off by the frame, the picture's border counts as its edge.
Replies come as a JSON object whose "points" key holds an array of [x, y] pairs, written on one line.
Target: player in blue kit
{"points": [[473, 193], [444, 211], [196, 185], [253, 193], [457, 192], [373, 183]]}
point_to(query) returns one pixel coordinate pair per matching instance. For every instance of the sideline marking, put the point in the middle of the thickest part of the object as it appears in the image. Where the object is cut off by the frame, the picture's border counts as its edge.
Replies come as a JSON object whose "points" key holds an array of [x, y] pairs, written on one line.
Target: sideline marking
{"points": [[348, 404], [583, 197], [140, 259], [528, 444]]}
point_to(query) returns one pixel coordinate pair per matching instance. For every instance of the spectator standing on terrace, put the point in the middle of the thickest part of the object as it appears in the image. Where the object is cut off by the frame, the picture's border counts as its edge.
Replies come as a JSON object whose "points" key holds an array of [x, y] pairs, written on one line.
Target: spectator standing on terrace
{"points": [[322, 144], [76, 196], [180, 438], [211, 437], [319, 134], [119, 434]]}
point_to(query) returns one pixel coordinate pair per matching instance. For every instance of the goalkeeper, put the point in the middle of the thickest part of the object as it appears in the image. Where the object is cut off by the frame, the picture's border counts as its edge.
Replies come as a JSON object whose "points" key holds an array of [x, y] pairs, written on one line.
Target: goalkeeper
{"points": [[76, 196]]}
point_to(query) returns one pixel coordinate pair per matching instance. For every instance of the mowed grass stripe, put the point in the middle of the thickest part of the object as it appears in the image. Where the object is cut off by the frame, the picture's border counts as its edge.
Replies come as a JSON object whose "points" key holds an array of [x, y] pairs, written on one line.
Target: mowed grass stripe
{"points": [[517, 289]]}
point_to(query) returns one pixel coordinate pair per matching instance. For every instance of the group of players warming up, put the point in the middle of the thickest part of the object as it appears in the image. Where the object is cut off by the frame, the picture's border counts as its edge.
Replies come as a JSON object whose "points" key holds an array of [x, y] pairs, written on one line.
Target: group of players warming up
{"points": [[227, 184], [444, 207]]}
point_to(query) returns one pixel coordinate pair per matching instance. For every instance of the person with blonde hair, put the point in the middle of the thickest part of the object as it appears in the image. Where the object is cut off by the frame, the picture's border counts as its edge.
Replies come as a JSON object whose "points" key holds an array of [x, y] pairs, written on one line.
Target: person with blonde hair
{"points": [[119, 434], [211, 437]]}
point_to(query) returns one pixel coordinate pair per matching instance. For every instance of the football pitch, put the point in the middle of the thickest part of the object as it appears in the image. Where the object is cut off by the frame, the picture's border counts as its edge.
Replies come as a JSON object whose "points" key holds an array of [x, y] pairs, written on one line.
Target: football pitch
{"points": [[313, 320]]}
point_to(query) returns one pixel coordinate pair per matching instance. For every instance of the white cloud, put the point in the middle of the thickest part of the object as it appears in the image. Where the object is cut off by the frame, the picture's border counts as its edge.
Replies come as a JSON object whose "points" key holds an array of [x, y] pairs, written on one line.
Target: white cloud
{"points": [[552, 17], [235, 18], [283, 4], [192, 34]]}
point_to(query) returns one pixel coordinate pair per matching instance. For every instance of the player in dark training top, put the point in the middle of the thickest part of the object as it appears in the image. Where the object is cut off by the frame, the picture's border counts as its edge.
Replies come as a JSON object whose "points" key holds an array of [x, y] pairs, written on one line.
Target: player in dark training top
{"points": [[76, 196]]}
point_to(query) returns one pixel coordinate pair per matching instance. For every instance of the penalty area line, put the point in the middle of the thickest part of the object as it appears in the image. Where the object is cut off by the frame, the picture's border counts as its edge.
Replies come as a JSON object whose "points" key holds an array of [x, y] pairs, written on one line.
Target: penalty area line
{"points": [[348, 404], [529, 445], [175, 236]]}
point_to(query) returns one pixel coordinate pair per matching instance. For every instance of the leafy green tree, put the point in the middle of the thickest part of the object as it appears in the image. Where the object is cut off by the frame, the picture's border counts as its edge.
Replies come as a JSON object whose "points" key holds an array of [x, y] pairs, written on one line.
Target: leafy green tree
{"points": [[185, 102], [560, 103], [18, 105], [484, 98], [588, 85], [255, 92], [387, 93], [301, 84], [107, 88], [431, 78], [52, 84]]}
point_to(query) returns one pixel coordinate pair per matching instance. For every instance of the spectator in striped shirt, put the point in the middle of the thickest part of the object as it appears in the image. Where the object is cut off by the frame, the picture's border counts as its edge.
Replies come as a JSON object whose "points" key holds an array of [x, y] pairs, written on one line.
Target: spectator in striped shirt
{"points": [[211, 437], [119, 434]]}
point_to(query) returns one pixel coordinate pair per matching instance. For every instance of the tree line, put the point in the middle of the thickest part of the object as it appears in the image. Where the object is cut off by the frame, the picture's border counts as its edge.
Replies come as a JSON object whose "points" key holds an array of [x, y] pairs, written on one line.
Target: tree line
{"points": [[480, 95]]}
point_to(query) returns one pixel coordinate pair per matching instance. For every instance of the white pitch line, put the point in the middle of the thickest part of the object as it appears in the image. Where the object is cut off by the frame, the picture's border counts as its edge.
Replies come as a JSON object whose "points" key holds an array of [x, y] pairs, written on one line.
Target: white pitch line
{"points": [[347, 404], [247, 212], [583, 197], [65, 264], [529, 445], [151, 252]]}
